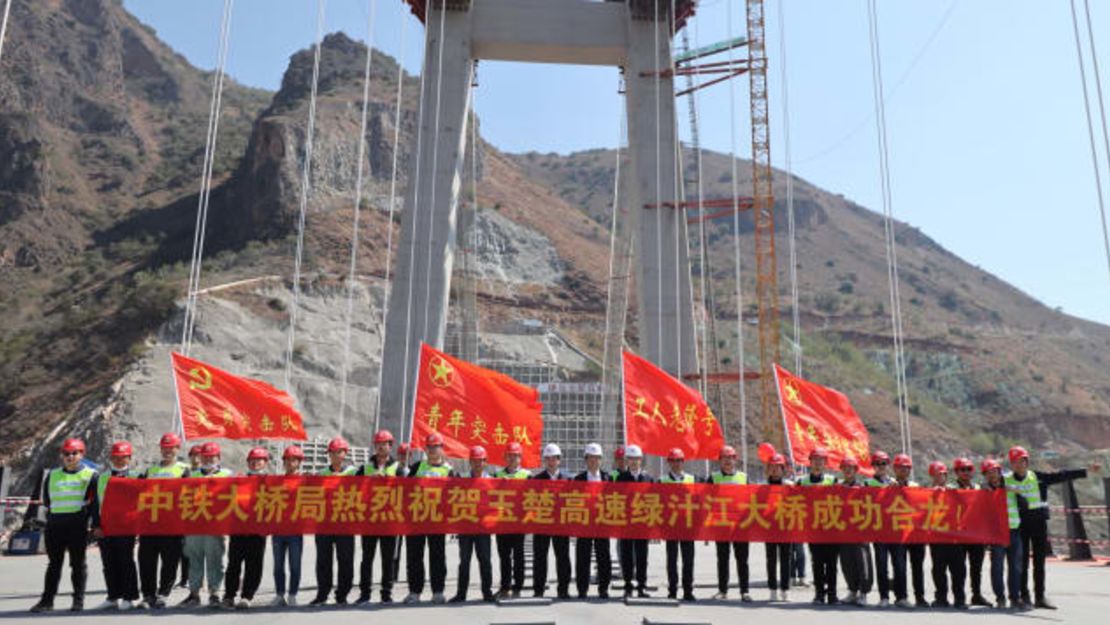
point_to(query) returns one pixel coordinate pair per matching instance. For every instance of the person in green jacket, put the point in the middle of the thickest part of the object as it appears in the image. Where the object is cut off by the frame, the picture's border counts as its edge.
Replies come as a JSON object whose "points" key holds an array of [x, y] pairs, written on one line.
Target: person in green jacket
{"points": [[727, 473], [206, 553], [381, 464], [676, 474], [510, 547]]}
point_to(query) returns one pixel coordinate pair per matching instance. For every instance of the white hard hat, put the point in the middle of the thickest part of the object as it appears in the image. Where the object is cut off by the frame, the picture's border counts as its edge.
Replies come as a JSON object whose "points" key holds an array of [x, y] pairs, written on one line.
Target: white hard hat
{"points": [[633, 451], [593, 449], [551, 449]]}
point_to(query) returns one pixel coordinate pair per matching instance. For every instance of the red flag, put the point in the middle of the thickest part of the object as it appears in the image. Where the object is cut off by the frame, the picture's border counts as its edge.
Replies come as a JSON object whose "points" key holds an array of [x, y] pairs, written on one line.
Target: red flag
{"points": [[469, 405], [217, 404], [818, 416], [661, 413]]}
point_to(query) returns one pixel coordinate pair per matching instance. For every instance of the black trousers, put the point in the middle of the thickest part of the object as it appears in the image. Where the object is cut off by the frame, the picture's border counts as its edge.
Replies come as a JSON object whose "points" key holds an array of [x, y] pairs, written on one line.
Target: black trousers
{"points": [[117, 554], [1034, 538], [779, 556], [855, 562], [343, 548], [686, 548], [917, 570], [414, 562], [561, 546], [63, 538], [740, 553], [949, 565], [884, 562], [475, 544], [244, 558], [582, 552], [387, 545], [824, 568], [974, 556], [155, 580], [184, 566], [634, 558], [510, 553]]}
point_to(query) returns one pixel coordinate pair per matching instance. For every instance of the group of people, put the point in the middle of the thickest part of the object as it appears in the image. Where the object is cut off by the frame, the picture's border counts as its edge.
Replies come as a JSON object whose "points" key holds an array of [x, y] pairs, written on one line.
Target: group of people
{"points": [[73, 493]]}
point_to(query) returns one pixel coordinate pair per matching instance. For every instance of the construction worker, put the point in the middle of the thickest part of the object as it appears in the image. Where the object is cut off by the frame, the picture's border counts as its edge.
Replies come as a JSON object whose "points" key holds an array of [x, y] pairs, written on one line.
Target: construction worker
{"points": [[598, 547], [948, 563], [903, 465], [884, 552], [634, 551], [552, 457], [155, 582], [70, 491], [510, 547], [343, 547], [381, 464], [1031, 490], [1006, 560], [206, 553], [823, 555], [475, 543], [780, 556], [971, 555], [727, 473], [117, 553], [619, 465], [194, 465], [245, 552], [434, 466], [293, 545], [853, 556], [676, 474]]}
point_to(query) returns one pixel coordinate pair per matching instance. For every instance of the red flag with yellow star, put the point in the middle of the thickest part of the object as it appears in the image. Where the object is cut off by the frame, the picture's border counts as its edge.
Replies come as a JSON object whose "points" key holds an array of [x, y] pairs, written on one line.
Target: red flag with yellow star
{"points": [[819, 416], [469, 405], [661, 413], [218, 404]]}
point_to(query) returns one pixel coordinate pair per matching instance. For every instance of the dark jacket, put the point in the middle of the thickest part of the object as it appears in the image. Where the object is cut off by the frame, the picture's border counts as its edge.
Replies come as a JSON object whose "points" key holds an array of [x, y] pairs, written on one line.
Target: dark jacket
{"points": [[542, 475], [626, 476], [605, 477]]}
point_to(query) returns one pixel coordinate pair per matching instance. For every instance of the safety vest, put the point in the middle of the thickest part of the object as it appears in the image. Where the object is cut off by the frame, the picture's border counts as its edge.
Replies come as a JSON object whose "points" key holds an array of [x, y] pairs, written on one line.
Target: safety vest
{"points": [[429, 470], [1013, 513], [519, 474], [1027, 488], [220, 472], [159, 472], [387, 470], [344, 471], [67, 490], [102, 484], [613, 474], [718, 477], [685, 478], [877, 483], [826, 480]]}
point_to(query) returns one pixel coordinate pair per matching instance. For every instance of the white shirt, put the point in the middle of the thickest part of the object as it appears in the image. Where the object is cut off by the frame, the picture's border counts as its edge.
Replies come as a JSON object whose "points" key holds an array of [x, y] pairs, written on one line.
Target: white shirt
{"points": [[593, 477]]}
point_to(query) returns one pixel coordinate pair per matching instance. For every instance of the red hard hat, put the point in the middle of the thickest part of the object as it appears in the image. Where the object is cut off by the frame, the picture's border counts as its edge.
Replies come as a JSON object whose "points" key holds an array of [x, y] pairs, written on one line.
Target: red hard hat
{"points": [[676, 454], [383, 436], [902, 460], [477, 452], [778, 459], [73, 444], [210, 449], [990, 464], [338, 444], [1018, 452], [433, 440], [728, 451], [195, 450], [121, 449], [514, 448], [765, 451], [962, 463], [258, 453], [293, 451], [849, 461], [618, 452], [403, 449], [880, 456], [819, 452], [937, 467], [169, 439]]}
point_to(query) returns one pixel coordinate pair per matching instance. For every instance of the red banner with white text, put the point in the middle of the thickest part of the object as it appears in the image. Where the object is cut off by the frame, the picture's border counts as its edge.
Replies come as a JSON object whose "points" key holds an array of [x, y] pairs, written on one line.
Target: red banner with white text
{"points": [[399, 506]]}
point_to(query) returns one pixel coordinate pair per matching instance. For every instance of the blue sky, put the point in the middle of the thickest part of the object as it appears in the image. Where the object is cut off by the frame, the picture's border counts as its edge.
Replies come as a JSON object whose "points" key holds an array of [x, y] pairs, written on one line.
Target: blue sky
{"points": [[989, 149]]}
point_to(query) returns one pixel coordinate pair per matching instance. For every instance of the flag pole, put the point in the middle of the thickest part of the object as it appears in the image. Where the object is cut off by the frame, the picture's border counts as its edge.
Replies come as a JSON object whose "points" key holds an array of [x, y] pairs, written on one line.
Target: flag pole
{"points": [[785, 429], [415, 393], [623, 404], [177, 398]]}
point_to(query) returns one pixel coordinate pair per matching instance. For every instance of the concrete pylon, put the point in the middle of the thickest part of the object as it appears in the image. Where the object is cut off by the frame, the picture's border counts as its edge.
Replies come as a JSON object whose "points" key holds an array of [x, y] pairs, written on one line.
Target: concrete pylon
{"points": [[544, 31]]}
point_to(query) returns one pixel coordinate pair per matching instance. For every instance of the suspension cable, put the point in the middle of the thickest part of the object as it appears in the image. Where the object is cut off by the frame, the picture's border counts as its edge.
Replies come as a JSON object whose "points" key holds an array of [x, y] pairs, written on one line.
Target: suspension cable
{"points": [[616, 254], [306, 181], [658, 186], [1087, 110], [681, 296], [795, 313], [736, 249], [4, 26], [351, 275]]}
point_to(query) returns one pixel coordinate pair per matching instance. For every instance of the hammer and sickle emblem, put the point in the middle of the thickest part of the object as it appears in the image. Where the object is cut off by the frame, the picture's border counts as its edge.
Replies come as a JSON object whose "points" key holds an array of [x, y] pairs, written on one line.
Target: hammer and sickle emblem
{"points": [[441, 372], [792, 395], [200, 379]]}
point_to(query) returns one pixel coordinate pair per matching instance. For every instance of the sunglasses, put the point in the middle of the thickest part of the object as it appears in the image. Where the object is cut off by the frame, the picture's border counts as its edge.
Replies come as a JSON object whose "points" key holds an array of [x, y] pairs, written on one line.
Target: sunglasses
{"points": [[71, 453], [879, 464], [964, 470]]}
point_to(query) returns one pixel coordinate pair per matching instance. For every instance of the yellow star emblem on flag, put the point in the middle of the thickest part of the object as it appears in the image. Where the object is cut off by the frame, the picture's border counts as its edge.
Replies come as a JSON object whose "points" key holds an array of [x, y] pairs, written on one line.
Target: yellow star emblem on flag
{"points": [[790, 390], [440, 372]]}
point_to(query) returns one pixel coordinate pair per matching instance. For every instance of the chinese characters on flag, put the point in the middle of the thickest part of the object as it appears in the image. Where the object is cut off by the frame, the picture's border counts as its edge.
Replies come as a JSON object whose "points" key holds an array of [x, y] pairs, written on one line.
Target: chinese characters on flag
{"points": [[661, 413], [469, 405], [818, 416], [217, 404]]}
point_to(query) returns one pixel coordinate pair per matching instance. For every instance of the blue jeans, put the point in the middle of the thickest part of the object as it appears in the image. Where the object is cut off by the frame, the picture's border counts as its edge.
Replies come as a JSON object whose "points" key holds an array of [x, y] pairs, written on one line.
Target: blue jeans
{"points": [[1007, 560], [799, 564], [293, 546]]}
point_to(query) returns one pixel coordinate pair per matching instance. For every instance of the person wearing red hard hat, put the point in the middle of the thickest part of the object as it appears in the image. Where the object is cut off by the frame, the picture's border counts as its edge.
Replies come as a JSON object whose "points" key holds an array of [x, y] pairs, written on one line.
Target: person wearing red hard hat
{"points": [[619, 464], [68, 495], [330, 548], [289, 546], [510, 547], [903, 467], [780, 556], [206, 553], [1006, 560], [822, 555], [552, 458], [634, 551], [381, 465], [194, 465], [159, 555], [971, 556], [884, 552], [676, 474], [434, 466], [853, 556], [584, 548], [1030, 493], [117, 553], [728, 473], [246, 552], [479, 544], [947, 559]]}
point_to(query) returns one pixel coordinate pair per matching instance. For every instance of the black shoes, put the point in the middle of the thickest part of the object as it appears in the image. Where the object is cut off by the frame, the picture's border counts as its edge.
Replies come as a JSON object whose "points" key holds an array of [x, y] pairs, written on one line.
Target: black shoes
{"points": [[43, 606]]}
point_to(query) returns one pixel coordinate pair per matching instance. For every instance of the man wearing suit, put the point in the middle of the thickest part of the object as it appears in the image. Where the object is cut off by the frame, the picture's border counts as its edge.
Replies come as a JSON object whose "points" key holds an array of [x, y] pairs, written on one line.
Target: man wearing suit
{"points": [[598, 546], [634, 552], [552, 456]]}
